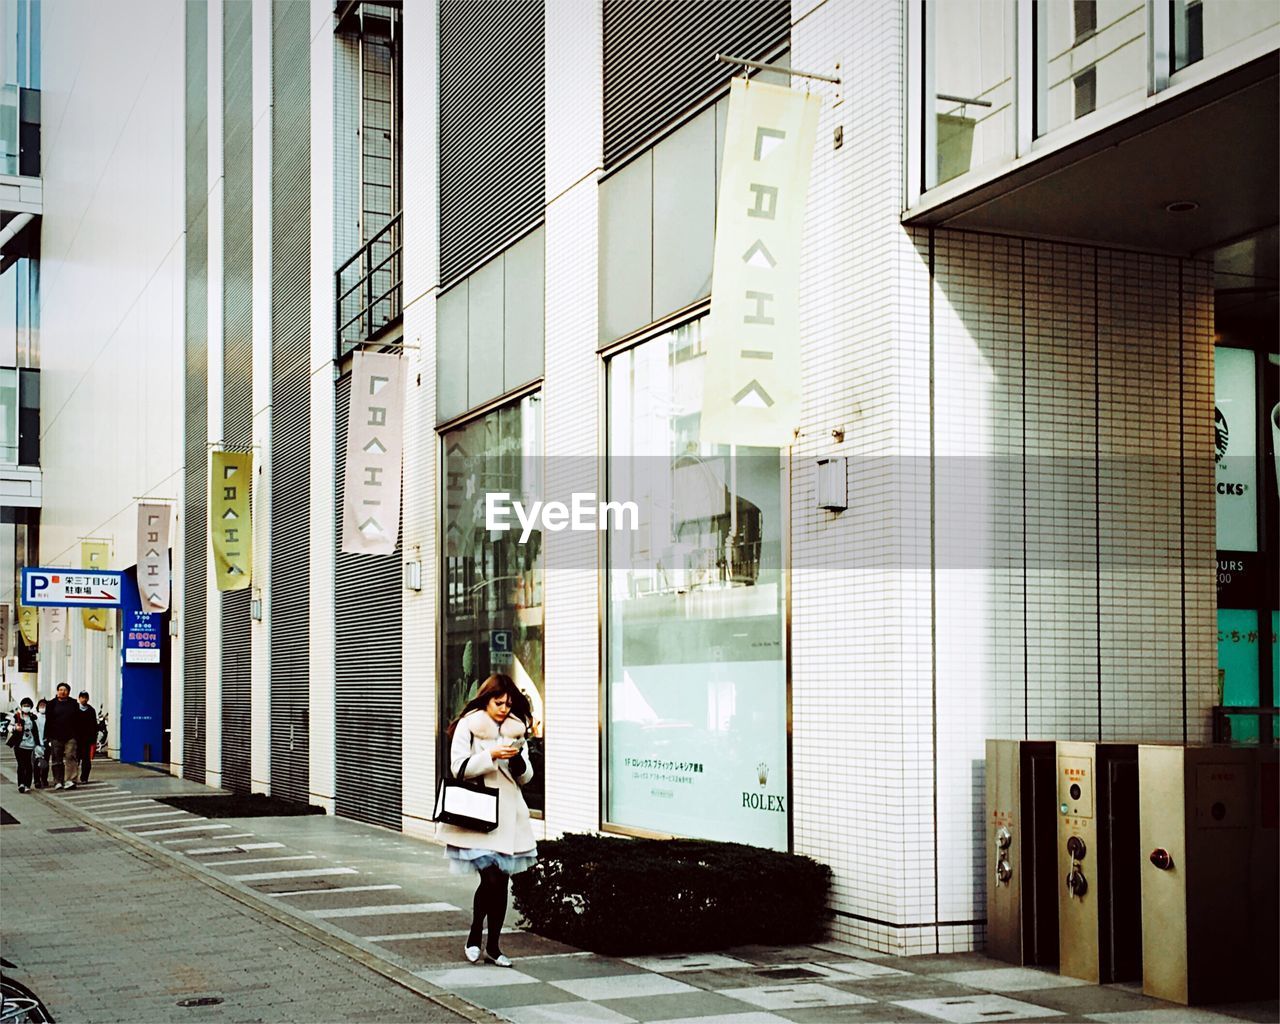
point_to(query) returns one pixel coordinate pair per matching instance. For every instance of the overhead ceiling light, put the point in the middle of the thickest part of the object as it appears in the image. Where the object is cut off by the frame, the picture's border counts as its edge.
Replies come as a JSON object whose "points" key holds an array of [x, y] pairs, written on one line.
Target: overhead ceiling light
{"points": [[1181, 206]]}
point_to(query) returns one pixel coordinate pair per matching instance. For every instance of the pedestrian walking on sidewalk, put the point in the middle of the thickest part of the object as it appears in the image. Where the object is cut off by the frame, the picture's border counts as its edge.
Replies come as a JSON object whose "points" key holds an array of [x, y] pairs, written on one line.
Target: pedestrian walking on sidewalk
{"points": [[62, 724], [86, 735], [42, 750], [24, 737], [487, 743]]}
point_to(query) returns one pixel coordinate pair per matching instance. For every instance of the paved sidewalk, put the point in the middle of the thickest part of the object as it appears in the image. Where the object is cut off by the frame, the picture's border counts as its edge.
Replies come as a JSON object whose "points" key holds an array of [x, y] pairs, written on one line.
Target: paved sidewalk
{"points": [[100, 930], [390, 901]]}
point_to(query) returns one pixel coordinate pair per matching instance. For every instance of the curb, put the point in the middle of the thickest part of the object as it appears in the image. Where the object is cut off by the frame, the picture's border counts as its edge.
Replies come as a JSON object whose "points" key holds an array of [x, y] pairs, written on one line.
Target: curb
{"points": [[368, 956]]}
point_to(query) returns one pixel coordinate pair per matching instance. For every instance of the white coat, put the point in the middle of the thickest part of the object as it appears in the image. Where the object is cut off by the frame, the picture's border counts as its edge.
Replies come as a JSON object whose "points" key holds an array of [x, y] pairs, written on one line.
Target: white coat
{"points": [[474, 737]]}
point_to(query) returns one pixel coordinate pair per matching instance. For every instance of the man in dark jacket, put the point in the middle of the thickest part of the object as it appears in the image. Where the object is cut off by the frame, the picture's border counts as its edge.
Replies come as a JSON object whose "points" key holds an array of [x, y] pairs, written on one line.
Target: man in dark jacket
{"points": [[61, 727], [86, 735]]}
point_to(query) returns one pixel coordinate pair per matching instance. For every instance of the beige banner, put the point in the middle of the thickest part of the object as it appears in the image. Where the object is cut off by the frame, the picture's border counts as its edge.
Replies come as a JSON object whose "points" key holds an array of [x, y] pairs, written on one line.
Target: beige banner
{"points": [[53, 649], [229, 513], [95, 554], [153, 556], [371, 481], [29, 624], [751, 391]]}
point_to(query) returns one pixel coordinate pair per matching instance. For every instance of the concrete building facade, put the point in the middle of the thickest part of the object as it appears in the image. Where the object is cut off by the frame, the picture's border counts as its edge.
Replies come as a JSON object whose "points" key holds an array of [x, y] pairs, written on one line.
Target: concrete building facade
{"points": [[1007, 342]]}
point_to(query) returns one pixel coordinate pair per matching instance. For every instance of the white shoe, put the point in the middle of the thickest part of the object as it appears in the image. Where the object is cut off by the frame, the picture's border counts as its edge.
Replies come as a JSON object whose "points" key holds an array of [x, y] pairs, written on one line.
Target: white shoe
{"points": [[22, 789], [69, 785], [501, 960], [472, 953], [58, 786]]}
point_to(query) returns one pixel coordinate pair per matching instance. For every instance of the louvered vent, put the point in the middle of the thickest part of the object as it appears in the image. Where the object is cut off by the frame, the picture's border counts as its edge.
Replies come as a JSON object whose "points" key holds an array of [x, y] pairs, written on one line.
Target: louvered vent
{"points": [[367, 698], [237, 354], [492, 119], [659, 60], [195, 485], [290, 397]]}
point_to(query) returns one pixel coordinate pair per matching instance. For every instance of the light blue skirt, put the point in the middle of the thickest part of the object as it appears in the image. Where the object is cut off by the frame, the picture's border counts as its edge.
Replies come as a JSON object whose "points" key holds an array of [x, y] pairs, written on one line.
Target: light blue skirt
{"points": [[465, 860]]}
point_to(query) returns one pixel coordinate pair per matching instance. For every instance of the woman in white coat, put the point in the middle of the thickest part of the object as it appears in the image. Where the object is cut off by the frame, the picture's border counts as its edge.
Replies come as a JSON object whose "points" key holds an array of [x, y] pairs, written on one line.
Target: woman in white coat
{"points": [[487, 743]]}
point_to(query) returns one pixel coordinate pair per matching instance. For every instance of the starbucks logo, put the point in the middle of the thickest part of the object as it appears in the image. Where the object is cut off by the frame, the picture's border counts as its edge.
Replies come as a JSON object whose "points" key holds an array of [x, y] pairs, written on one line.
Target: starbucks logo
{"points": [[1220, 435]]}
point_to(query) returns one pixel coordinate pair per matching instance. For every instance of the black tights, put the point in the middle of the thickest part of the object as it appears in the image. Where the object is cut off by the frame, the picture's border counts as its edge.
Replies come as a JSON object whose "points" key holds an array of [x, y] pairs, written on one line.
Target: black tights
{"points": [[491, 902]]}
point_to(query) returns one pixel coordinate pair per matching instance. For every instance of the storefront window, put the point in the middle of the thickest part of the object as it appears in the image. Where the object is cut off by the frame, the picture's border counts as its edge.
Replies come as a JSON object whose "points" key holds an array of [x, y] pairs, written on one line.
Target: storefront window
{"points": [[492, 582], [696, 705]]}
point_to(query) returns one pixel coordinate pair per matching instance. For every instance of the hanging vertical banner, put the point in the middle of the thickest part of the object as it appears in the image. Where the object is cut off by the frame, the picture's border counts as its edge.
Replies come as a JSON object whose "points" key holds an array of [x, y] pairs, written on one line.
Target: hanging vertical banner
{"points": [[53, 654], [371, 482], [29, 624], [95, 554], [5, 630], [751, 388], [232, 482], [153, 556]]}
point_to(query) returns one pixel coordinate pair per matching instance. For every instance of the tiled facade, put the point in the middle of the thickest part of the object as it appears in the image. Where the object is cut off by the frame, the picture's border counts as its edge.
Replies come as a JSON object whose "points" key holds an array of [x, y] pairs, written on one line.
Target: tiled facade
{"points": [[1028, 548]]}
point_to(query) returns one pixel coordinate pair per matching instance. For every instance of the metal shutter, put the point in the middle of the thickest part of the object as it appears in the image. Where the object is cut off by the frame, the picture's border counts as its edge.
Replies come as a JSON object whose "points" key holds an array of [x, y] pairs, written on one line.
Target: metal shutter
{"points": [[290, 397], [492, 124], [659, 60], [237, 354], [195, 525], [368, 701]]}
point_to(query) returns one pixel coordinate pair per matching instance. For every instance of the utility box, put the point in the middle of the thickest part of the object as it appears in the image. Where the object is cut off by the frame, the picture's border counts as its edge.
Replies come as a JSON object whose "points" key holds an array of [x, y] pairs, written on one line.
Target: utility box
{"points": [[1209, 867], [1099, 904], [1022, 864]]}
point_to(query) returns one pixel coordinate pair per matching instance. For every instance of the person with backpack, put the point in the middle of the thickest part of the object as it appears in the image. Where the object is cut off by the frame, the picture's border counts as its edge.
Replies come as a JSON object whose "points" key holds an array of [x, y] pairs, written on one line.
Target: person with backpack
{"points": [[24, 737]]}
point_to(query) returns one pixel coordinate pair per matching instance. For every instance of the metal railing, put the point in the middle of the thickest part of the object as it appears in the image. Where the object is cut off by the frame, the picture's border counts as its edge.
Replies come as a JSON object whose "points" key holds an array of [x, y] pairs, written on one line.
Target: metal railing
{"points": [[370, 301]]}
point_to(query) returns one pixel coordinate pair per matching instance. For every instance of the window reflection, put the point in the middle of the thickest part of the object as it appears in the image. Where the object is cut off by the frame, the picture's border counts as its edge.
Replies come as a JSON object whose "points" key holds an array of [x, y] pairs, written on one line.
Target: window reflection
{"points": [[492, 582], [696, 657]]}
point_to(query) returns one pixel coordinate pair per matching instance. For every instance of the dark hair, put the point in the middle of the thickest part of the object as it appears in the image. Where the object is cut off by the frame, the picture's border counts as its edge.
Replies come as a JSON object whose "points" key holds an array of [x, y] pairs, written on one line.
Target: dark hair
{"points": [[496, 685], [84, 693], [25, 702], [61, 685]]}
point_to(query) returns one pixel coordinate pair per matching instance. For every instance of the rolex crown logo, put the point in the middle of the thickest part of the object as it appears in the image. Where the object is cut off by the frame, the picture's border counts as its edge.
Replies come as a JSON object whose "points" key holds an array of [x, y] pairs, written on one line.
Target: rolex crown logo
{"points": [[762, 772]]}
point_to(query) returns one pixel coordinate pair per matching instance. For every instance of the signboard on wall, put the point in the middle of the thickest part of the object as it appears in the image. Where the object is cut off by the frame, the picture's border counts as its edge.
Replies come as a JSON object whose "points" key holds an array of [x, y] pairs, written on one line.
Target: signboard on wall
{"points": [[1235, 448], [71, 588], [141, 638]]}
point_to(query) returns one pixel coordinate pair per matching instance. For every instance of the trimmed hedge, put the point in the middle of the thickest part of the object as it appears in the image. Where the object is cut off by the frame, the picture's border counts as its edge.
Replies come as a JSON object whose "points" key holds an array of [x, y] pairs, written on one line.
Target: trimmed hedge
{"points": [[624, 896]]}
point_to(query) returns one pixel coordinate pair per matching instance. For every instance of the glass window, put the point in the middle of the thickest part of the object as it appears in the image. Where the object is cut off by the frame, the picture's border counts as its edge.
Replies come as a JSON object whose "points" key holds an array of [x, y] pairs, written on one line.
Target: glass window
{"points": [[1085, 13], [8, 415], [1087, 57], [1204, 27], [696, 700], [492, 582], [969, 111]]}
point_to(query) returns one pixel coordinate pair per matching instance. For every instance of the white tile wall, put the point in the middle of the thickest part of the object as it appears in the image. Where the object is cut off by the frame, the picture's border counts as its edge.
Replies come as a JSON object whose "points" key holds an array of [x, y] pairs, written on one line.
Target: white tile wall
{"points": [[571, 410], [421, 448]]}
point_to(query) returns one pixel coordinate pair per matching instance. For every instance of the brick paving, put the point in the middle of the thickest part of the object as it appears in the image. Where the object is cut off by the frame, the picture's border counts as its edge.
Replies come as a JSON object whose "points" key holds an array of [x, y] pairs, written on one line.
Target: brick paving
{"points": [[103, 932]]}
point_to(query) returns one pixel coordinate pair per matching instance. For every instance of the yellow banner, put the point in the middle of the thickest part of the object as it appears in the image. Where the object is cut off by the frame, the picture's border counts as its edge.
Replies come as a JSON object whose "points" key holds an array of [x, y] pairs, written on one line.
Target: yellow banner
{"points": [[29, 624], [95, 554], [229, 516], [751, 391]]}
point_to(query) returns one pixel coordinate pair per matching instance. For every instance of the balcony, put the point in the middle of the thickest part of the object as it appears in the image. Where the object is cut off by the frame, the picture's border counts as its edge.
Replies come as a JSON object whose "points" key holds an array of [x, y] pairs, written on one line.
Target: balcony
{"points": [[369, 289]]}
